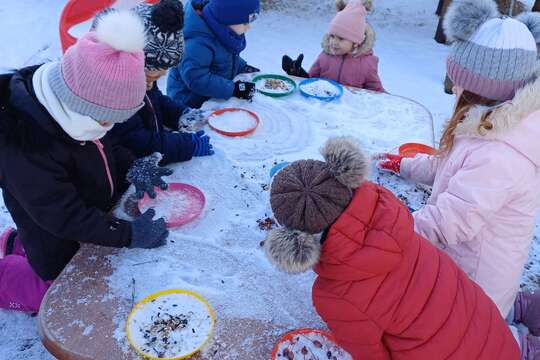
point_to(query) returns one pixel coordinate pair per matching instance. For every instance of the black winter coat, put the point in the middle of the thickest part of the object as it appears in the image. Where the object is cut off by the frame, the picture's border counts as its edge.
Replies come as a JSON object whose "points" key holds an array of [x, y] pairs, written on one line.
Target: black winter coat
{"points": [[144, 133], [56, 189]]}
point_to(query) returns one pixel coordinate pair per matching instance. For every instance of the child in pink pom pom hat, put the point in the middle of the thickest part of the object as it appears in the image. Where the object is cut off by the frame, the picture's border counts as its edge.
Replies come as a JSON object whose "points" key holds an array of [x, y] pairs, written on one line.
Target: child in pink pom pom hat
{"points": [[347, 55], [60, 174]]}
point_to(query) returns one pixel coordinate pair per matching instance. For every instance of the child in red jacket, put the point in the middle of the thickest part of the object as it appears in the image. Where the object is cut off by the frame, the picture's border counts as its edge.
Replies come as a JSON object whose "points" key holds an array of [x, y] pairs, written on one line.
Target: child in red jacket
{"points": [[383, 290], [347, 55]]}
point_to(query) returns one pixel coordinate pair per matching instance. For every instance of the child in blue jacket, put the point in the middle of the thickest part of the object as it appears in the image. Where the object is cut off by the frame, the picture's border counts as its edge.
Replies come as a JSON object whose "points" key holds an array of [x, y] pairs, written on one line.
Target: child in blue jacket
{"points": [[214, 37], [153, 128]]}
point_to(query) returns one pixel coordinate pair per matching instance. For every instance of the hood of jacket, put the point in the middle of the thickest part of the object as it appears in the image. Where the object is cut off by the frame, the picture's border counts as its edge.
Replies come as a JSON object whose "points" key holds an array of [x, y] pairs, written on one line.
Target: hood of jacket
{"points": [[515, 122]]}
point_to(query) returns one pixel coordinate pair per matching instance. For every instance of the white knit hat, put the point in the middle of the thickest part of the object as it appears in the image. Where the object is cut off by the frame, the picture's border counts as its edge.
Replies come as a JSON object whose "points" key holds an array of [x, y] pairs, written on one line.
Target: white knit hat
{"points": [[492, 55]]}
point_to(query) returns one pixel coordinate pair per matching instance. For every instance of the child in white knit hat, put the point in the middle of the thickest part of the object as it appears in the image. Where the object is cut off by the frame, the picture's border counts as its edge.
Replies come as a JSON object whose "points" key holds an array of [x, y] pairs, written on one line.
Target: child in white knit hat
{"points": [[484, 205]]}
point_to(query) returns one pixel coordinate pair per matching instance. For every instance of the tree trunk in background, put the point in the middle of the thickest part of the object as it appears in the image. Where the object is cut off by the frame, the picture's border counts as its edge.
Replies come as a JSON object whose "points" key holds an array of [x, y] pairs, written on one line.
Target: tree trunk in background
{"points": [[440, 37], [536, 6], [439, 10]]}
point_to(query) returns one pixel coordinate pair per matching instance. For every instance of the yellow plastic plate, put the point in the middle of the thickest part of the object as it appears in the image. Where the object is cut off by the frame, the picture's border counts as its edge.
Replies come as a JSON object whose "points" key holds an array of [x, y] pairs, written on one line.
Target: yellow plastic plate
{"points": [[150, 305]]}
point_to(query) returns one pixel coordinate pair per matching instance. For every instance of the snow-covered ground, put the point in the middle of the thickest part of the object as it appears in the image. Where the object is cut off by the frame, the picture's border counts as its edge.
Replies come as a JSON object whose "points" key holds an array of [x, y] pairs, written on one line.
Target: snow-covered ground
{"points": [[411, 65]]}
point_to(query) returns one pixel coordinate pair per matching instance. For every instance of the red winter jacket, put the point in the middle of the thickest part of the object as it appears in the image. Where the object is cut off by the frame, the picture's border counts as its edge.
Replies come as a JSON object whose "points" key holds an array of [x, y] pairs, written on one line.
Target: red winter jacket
{"points": [[387, 293]]}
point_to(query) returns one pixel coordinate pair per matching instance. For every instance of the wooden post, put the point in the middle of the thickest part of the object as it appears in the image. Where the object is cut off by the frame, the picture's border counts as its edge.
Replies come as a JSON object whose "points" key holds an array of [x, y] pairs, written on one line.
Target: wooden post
{"points": [[440, 37], [536, 6], [438, 12]]}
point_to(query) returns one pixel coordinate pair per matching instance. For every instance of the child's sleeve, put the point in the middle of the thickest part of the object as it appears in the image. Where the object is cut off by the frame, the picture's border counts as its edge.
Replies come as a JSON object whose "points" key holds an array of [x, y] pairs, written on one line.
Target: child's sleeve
{"points": [[373, 82], [123, 158], [315, 70], [170, 111], [175, 146], [241, 65], [474, 193], [196, 73], [56, 206], [420, 169], [356, 333], [173, 84]]}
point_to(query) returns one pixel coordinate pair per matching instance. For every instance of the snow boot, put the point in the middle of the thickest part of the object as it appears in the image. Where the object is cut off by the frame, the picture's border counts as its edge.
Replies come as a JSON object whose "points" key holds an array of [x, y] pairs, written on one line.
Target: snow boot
{"points": [[530, 347], [527, 311], [7, 240], [21, 289]]}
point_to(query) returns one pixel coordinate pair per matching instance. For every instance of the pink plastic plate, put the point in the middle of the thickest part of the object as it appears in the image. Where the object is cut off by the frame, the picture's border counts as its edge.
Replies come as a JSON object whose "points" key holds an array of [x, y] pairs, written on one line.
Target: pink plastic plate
{"points": [[179, 204]]}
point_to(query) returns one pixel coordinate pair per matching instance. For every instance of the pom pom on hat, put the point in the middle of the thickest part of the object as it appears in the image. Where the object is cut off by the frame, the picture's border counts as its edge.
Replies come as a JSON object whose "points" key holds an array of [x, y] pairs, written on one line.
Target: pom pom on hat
{"points": [[291, 250], [464, 17], [346, 161], [122, 30], [532, 21], [168, 16]]}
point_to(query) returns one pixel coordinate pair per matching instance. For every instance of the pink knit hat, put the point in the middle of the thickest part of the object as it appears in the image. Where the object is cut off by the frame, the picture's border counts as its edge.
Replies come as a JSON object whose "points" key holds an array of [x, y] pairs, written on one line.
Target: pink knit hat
{"points": [[102, 75], [350, 23]]}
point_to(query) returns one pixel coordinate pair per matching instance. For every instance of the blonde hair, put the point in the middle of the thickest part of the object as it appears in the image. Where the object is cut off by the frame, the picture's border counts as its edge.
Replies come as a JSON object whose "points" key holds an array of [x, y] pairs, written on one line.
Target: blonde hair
{"points": [[466, 101]]}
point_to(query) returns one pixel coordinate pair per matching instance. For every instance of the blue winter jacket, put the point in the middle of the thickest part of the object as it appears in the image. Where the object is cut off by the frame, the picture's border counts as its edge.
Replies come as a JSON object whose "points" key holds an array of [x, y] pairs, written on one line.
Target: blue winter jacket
{"points": [[207, 69], [144, 132]]}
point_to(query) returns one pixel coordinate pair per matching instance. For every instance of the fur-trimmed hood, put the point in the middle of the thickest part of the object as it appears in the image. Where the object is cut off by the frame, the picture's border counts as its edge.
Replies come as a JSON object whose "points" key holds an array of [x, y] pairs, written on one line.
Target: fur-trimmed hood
{"points": [[515, 122], [365, 48]]}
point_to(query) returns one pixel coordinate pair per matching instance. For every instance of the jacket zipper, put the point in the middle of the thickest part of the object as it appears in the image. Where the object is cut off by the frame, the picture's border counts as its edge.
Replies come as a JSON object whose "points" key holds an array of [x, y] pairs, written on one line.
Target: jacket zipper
{"points": [[106, 163], [341, 68], [153, 112]]}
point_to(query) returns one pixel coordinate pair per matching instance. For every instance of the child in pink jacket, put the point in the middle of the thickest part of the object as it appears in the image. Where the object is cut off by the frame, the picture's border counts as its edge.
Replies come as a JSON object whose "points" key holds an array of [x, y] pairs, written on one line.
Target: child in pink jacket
{"points": [[347, 55], [486, 176]]}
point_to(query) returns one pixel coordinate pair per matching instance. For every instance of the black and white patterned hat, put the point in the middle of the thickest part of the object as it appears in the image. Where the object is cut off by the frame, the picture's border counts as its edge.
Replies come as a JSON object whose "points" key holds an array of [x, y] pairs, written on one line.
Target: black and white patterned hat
{"points": [[163, 24]]}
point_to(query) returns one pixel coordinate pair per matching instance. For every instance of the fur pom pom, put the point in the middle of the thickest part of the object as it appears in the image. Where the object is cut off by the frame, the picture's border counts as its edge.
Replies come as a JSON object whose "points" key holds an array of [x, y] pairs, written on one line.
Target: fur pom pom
{"points": [[464, 17], [292, 251], [346, 161], [122, 30], [532, 21], [168, 15]]}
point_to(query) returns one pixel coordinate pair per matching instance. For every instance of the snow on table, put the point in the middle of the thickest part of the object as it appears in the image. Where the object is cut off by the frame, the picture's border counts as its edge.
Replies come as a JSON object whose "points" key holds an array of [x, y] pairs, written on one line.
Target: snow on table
{"points": [[295, 127], [219, 255]]}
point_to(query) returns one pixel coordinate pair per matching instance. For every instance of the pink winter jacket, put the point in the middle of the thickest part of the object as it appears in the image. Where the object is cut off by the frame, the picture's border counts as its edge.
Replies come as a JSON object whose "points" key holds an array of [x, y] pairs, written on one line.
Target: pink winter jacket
{"points": [[360, 70], [485, 196]]}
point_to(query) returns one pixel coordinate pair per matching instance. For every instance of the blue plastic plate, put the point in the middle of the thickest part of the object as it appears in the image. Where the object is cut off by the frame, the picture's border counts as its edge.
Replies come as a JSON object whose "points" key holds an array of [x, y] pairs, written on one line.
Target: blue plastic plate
{"points": [[318, 97], [276, 168]]}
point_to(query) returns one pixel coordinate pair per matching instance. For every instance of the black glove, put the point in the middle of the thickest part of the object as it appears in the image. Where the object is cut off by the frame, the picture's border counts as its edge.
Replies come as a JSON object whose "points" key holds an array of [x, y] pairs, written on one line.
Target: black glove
{"points": [[248, 69], [294, 67], [147, 233], [244, 90], [145, 174]]}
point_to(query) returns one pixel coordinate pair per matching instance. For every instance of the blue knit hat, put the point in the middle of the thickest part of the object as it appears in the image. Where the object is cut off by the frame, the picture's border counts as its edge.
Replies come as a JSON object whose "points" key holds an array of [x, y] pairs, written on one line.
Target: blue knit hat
{"points": [[234, 12]]}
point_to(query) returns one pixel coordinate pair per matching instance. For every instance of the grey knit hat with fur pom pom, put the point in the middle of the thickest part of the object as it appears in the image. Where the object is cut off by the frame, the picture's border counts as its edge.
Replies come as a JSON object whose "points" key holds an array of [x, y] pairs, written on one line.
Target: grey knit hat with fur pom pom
{"points": [[492, 55], [307, 197]]}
